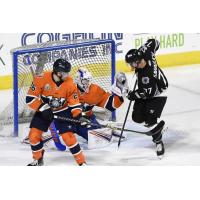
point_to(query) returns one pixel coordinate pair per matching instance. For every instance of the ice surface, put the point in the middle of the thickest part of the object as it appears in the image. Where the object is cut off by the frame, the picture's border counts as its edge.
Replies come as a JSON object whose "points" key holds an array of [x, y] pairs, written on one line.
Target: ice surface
{"points": [[182, 139]]}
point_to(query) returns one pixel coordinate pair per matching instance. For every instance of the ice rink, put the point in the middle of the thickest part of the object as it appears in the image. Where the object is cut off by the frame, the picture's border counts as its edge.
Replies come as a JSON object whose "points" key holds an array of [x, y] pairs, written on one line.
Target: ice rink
{"points": [[182, 138]]}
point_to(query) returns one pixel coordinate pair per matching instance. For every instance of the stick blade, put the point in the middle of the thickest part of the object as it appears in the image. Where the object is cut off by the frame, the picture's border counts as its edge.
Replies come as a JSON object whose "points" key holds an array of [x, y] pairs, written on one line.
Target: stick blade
{"points": [[158, 128]]}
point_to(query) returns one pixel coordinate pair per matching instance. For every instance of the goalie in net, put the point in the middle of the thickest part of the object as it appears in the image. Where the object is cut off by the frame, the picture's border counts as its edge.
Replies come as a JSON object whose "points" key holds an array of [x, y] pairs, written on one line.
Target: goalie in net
{"points": [[92, 95]]}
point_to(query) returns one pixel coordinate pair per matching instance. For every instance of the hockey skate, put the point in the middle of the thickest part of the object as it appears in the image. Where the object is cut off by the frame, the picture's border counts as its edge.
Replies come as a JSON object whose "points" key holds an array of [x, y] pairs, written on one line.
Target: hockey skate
{"points": [[83, 164], [39, 162], [160, 149]]}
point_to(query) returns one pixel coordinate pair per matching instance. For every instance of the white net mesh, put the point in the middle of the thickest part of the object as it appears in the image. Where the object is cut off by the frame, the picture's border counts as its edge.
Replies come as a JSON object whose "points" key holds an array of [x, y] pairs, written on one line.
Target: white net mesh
{"points": [[96, 56]]}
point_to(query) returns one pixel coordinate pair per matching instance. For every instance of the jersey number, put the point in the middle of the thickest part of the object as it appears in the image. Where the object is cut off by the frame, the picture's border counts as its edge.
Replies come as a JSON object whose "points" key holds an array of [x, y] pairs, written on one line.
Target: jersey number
{"points": [[148, 90], [33, 87]]}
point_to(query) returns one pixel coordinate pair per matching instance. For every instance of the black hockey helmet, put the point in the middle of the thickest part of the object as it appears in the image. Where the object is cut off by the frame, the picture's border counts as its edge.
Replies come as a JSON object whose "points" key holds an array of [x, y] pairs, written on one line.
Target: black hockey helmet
{"points": [[133, 55], [61, 65]]}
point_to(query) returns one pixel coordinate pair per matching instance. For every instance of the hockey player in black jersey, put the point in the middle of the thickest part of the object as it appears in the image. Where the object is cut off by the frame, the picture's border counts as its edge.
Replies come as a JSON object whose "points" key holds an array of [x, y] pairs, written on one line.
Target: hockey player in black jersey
{"points": [[151, 83]]}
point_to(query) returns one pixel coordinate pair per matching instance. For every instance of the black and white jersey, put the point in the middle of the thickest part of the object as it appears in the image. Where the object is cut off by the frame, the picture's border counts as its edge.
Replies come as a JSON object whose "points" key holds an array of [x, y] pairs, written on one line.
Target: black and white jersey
{"points": [[151, 79]]}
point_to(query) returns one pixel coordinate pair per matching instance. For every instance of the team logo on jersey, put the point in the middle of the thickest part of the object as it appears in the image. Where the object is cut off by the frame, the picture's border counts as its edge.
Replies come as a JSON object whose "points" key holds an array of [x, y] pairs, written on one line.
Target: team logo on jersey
{"points": [[145, 80], [152, 111], [75, 95], [47, 87], [55, 103]]}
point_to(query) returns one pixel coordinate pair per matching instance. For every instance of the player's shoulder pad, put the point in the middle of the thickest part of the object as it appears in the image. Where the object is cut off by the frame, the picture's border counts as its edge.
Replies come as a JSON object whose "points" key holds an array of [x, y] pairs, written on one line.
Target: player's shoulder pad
{"points": [[46, 74], [96, 88], [69, 79], [70, 82]]}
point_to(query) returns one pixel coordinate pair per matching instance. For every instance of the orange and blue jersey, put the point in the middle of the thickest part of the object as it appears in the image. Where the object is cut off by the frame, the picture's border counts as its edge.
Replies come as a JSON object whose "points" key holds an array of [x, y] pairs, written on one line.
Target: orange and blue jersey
{"points": [[60, 96], [97, 96]]}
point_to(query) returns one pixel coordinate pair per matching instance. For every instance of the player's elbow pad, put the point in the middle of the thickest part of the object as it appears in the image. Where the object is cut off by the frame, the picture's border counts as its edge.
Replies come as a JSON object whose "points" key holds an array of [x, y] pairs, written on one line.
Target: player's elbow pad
{"points": [[155, 44], [33, 102], [29, 99]]}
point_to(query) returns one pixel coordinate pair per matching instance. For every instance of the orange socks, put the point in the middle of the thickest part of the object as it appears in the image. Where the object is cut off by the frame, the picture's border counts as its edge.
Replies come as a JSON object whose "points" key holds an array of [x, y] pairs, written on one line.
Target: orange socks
{"points": [[71, 141], [35, 138]]}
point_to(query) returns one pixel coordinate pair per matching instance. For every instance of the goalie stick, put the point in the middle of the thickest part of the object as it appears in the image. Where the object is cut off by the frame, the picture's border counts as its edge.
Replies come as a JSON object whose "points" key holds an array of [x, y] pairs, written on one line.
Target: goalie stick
{"points": [[151, 132]]}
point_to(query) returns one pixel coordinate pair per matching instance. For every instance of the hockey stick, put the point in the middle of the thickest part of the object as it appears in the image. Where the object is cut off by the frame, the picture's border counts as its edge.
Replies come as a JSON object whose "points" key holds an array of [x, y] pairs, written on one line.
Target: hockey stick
{"points": [[56, 138], [151, 132], [127, 112], [46, 139]]}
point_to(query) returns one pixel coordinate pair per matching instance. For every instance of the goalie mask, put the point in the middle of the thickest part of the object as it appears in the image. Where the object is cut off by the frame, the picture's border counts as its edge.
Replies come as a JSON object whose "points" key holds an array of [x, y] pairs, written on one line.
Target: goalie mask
{"points": [[83, 79]]}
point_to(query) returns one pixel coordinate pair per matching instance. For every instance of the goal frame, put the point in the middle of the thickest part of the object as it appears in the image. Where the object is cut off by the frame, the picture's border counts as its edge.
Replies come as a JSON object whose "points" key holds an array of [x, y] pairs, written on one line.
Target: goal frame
{"points": [[19, 52]]}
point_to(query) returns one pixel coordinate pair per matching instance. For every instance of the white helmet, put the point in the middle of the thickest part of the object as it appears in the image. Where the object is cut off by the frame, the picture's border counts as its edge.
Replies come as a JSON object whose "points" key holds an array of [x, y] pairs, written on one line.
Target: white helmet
{"points": [[83, 79]]}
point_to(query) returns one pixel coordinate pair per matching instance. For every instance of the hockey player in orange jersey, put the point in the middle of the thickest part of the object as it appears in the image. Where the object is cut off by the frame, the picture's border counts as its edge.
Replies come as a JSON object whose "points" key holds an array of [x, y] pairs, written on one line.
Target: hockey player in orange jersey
{"points": [[91, 95], [54, 93]]}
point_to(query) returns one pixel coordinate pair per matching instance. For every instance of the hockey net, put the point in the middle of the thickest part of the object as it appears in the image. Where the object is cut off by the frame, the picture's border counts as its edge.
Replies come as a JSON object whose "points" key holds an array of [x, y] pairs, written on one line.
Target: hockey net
{"points": [[98, 56]]}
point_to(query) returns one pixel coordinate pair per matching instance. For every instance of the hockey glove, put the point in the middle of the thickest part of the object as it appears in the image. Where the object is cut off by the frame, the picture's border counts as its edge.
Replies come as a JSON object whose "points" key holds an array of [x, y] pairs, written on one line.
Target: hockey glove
{"points": [[84, 121], [133, 95], [46, 112]]}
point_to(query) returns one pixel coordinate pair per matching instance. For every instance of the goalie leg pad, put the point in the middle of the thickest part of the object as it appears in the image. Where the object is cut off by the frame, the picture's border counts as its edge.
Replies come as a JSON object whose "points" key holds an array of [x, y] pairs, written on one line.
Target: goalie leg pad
{"points": [[35, 138], [74, 147], [83, 132], [99, 138]]}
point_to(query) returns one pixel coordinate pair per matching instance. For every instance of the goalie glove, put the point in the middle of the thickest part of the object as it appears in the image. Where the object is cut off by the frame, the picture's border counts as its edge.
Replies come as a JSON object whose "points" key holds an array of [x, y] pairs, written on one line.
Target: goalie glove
{"points": [[42, 60], [120, 86]]}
